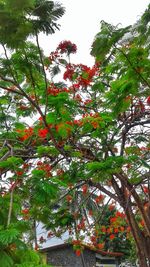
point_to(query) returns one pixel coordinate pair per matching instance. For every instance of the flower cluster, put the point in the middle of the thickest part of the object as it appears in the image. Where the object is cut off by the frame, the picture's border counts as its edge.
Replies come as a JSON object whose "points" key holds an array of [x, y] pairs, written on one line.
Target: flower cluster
{"points": [[43, 133], [54, 90], [67, 47], [45, 167], [25, 134]]}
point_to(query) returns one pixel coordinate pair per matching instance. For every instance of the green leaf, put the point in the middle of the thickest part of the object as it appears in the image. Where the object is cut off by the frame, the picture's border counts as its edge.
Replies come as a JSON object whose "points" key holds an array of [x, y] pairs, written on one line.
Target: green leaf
{"points": [[5, 259], [38, 173], [8, 236], [51, 118]]}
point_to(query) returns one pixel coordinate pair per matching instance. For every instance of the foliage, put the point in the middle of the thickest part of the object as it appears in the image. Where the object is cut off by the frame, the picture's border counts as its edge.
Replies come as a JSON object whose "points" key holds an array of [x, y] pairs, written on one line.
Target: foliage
{"points": [[74, 153]]}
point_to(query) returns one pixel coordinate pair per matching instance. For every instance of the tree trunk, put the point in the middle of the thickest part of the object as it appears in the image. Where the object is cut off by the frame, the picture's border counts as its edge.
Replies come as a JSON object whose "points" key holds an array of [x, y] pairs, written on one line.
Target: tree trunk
{"points": [[143, 251], [142, 240]]}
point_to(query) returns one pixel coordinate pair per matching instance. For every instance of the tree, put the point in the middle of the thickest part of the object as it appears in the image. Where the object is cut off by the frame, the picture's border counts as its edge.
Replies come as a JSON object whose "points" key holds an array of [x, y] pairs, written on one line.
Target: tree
{"points": [[89, 134]]}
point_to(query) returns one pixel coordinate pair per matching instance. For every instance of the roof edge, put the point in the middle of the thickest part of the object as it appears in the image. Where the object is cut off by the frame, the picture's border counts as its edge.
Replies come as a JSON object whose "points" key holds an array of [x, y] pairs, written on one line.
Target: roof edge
{"points": [[92, 248]]}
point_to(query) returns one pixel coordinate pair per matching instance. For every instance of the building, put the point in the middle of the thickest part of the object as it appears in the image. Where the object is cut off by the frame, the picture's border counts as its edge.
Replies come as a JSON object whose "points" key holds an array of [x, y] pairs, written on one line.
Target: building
{"points": [[63, 255]]}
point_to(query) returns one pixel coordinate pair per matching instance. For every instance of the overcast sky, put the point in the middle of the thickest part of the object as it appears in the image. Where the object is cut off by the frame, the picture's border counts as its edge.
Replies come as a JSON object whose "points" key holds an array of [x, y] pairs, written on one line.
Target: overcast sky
{"points": [[81, 22]]}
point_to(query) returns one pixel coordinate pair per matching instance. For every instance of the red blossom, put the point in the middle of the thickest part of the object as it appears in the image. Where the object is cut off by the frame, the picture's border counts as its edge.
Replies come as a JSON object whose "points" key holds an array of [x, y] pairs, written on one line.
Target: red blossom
{"points": [[145, 189], [93, 239], [99, 199], [78, 252], [90, 213], [50, 234], [53, 56], [103, 229], [76, 242], [68, 74], [142, 223], [111, 207], [113, 220], [69, 198], [112, 236], [87, 101], [100, 245], [78, 122], [67, 47], [43, 133], [84, 189], [109, 230], [148, 100], [95, 124], [25, 134], [122, 228], [19, 173], [25, 211], [120, 214], [42, 239], [36, 247]]}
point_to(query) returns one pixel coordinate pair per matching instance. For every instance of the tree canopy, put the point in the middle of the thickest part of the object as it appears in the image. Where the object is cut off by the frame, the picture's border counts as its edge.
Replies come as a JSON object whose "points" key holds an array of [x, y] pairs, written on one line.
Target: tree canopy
{"points": [[74, 152]]}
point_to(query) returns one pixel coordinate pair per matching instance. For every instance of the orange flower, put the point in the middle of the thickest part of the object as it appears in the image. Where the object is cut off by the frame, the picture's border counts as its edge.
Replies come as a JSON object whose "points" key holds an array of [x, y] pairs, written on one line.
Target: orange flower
{"points": [[112, 236], [25, 211], [145, 189], [36, 247], [93, 239], [122, 229], [111, 207], [99, 199], [78, 252], [84, 189], [148, 100], [43, 133], [90, 213], [19, 173], [95, 124], [103, 229], [100, 245], [113, 220], [69, 198]]}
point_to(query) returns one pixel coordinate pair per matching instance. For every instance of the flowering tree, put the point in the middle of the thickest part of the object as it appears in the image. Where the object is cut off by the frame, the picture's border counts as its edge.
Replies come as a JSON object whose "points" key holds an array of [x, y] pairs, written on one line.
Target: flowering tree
{"points": [[66, 147]]}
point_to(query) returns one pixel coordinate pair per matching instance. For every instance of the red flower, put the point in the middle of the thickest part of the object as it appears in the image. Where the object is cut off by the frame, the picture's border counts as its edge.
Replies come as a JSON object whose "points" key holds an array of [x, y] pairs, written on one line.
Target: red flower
{"points": [[50, 234], [103, 229], [111, 207], [76, 242], [100, 245], [69, 198], [90, 213], [43, 133], [68, 74], [25, 211], [145, 189], [112, 236], [42, 239], [19, 173], [36, 247], [84, 189], [67, 47], [120, 214], [78, 252], [95, 124], [122, 229], [109, 230], [99, 199], [148, 100], [93, 239], [113, 220]]}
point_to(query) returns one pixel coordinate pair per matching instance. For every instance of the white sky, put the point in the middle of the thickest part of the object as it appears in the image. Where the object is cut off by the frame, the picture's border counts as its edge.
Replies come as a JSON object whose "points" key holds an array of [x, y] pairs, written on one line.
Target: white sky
{"points": [[82, 20]]}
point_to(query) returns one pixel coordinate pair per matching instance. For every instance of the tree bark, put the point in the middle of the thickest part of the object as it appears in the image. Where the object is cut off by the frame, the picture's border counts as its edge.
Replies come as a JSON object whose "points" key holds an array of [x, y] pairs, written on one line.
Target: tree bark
{"points": [[142, 240]]}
